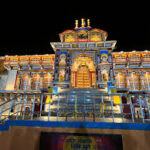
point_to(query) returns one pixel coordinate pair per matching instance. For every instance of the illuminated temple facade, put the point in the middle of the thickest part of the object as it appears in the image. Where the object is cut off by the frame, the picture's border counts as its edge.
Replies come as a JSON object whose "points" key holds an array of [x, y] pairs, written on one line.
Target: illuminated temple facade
{"points": [[84, 96], [83, 59]]}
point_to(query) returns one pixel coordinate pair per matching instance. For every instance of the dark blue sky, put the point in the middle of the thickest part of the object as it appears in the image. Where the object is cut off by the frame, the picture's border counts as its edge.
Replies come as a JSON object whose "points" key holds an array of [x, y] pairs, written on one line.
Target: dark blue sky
{"points": [[28, 29]]}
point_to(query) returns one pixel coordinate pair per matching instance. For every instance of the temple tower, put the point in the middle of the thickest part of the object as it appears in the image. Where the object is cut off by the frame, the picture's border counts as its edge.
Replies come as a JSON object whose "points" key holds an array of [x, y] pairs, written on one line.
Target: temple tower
{"points": [[83, 57]]}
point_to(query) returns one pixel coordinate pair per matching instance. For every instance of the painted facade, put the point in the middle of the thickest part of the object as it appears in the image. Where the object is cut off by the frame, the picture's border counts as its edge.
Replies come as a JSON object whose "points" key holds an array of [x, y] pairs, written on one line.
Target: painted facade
{"points": [[83, 59]]}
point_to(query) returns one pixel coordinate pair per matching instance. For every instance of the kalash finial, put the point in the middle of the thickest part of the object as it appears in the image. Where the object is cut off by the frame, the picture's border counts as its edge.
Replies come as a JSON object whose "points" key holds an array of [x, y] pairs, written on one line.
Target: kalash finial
{"points": [[88, 23], [76, 24], [82, 23]]}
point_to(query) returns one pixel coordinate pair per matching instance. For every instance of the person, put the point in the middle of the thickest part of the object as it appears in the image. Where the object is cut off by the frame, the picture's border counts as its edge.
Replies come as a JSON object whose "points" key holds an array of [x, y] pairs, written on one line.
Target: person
{"points": [[146, 114]]}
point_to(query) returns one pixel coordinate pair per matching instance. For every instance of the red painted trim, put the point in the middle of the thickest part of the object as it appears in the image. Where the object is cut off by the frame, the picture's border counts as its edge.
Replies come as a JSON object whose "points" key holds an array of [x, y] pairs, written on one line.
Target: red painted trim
{"points": [[75, 79], [80, 40]]}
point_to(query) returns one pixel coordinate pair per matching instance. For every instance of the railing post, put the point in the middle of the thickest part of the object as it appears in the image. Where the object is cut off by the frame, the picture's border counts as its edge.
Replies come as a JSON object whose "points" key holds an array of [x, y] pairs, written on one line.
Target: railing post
{"points": [[2, 108], [121, 108], [94, 116], [41, 106], [33, 106], [18, 107], [103, 108], [111, 99], [140, 102], [25, 102], [146, 98], [58, 108], [131, 107], [84, 98], [49, 110], [11, 106], [75, 107]]}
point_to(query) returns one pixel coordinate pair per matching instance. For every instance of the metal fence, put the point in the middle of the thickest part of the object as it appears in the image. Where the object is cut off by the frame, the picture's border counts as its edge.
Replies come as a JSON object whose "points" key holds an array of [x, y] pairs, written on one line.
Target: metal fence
{"points": [[74, 107]]}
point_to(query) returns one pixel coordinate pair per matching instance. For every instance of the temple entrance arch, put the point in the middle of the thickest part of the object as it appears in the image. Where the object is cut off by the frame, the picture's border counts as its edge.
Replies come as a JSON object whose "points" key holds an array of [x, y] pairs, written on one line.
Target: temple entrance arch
{"points": [[83, 71]]}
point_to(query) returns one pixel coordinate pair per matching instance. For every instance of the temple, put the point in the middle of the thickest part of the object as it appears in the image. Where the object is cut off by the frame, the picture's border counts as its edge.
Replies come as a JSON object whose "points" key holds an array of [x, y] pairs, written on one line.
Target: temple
{"points": [[84, 62], [82, 94], [83, 59]]}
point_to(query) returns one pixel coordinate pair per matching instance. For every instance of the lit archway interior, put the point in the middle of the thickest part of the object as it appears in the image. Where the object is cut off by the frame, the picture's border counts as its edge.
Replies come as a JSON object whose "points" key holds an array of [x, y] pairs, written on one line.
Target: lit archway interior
{"points": [[83, 72]]}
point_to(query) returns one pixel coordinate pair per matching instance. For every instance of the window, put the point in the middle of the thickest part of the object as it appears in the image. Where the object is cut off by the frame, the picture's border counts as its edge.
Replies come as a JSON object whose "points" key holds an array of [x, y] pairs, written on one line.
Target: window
{"points": [[134, 58], [120, 58]]}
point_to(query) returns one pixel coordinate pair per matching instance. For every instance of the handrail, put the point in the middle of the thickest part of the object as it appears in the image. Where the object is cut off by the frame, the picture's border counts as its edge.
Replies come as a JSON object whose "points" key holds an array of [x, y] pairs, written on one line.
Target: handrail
{"points": [[9, 116], [8, 108], [9, 100], [60, 107]]}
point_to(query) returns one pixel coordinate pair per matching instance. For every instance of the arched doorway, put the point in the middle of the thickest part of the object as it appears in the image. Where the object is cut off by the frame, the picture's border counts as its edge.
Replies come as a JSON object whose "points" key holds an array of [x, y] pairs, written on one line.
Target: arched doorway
{"points": [[35, 82], [83, 72], [47, 80], [24, 82], [83, 77]]}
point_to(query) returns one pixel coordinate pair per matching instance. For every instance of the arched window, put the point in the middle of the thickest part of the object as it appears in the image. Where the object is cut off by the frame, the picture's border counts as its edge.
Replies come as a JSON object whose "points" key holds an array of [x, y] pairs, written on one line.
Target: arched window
{"points": [[120, 58], [14, 61], [47, 80], [146, 58], [146, 81], [120, 80], [24, 82], [35, 83], [35, 60], [24, 60], [134, 58], [134, 81]]}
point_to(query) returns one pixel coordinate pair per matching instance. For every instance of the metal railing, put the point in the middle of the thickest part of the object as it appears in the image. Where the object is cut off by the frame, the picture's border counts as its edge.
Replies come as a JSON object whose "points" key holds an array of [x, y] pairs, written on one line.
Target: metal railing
{"points": [[76, 107]]}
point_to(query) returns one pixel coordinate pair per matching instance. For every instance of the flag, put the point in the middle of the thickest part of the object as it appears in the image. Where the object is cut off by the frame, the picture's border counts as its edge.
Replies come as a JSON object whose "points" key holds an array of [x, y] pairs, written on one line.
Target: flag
{"points": [[48, 99]]}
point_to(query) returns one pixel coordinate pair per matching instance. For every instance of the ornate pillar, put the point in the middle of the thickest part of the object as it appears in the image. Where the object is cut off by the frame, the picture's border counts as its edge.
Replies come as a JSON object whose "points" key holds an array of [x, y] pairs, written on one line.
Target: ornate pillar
{"points": [[127, 80], [111, 74], [147, 79], [100, 75]]}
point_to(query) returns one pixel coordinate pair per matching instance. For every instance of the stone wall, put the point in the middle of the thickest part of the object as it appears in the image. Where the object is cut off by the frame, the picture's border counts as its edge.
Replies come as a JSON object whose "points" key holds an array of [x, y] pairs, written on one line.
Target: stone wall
{"points": [[3, 80], [28, 138], [11, 80]]}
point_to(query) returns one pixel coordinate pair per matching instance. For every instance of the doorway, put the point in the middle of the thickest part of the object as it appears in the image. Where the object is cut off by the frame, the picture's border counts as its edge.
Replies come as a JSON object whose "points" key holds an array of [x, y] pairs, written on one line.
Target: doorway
{"points": [[83, 77]]}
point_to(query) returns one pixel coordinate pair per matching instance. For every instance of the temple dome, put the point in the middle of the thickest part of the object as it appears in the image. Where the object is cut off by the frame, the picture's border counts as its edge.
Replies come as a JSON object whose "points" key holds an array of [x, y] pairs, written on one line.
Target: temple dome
{"points": [[83, 34]]}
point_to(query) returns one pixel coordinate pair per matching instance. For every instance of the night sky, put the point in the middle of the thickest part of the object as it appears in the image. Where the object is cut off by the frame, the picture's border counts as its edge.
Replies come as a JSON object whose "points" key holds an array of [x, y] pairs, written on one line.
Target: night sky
{"points": [[29, 28]]}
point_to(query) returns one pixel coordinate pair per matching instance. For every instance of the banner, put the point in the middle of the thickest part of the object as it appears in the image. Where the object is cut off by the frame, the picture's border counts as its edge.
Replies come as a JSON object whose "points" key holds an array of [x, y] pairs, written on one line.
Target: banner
{"points": [[76, 141]]}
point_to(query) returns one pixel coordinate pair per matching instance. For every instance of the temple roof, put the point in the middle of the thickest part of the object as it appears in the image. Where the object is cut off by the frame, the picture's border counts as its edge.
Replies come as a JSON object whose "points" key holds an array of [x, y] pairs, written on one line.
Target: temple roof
{"points": [[85, 33]]}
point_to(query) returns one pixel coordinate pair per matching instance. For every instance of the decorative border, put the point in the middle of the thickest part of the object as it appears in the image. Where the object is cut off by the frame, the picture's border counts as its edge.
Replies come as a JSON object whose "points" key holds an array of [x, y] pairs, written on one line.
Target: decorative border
{"points": [[63, 124]]}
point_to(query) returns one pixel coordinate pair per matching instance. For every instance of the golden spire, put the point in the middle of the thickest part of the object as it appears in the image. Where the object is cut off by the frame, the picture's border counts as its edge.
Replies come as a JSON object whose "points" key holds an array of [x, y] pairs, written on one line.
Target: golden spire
{"points": [[88, 23], [76, 24], [82, 23]]}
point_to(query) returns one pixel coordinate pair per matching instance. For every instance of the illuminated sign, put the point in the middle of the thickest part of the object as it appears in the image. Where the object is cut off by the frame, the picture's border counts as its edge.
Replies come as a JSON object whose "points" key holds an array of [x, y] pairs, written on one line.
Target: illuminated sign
{"points": [[76, 141]]}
